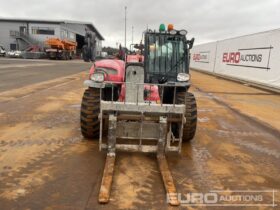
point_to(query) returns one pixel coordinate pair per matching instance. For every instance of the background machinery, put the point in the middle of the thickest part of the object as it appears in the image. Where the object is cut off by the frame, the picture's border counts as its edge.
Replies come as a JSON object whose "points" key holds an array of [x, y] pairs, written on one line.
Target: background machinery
{"points": [[60, 49], [89, 48], [136, 53], [131, 120]]}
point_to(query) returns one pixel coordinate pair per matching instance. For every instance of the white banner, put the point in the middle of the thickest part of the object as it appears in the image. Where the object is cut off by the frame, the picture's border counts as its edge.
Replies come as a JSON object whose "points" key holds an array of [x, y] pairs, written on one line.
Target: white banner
{"points": [[253, 58], [203, 56], [249, 57]]}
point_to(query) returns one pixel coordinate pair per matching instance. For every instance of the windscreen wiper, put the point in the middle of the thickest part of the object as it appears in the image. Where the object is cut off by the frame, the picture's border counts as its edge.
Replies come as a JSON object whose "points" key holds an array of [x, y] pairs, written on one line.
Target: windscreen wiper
{"points": [[163, 79]]}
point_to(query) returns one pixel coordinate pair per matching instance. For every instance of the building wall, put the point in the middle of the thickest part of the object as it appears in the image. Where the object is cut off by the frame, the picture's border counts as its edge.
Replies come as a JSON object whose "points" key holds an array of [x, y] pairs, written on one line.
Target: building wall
{"points": [[43, 37], [10, 27], [80, 29], [98, 47], [75, 28], [6, 27], [61, 30], [70, 31]]}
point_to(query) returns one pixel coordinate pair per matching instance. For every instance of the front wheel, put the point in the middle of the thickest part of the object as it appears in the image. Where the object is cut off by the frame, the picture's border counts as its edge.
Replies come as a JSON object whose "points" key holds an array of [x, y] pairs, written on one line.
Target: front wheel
{"points": [[90, 109], [191, 114]]}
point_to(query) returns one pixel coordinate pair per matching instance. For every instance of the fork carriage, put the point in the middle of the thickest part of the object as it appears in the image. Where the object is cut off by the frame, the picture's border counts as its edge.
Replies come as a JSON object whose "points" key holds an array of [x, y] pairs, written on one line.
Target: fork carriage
{"points": [[139, 125], [130, 128]]}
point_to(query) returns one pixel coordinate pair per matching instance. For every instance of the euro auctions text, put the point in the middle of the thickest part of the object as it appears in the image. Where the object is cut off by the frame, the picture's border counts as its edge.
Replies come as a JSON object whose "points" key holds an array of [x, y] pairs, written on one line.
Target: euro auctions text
{"points": [[227, 198]]}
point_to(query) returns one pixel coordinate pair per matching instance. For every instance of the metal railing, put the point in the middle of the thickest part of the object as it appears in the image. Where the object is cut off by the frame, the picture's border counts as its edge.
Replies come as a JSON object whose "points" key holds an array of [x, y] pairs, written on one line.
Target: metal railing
{"points": [[160, 88], [24, 36], [137, 115]]}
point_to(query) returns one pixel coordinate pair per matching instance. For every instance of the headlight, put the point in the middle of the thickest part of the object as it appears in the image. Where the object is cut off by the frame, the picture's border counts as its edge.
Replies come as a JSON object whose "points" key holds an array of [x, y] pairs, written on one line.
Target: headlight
{"points": [[173, 32], [183, 77], [183, 32], [97, 77]]}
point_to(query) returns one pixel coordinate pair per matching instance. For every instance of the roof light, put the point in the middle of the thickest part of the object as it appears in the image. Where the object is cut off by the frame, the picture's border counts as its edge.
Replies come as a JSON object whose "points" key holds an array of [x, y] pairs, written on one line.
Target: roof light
{"points": [[162, 27], [183, 32], [173, 32], [170, 27]]}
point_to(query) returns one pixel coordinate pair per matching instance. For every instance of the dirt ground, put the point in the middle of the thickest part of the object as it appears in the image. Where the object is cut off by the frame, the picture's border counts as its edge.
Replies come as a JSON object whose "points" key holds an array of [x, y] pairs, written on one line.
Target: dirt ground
{"points": [[46, 164]]}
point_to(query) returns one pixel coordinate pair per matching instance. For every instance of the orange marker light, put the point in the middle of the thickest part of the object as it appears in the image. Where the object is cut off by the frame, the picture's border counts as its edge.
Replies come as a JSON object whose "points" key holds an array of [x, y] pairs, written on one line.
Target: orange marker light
{"points": [[170, 27]]}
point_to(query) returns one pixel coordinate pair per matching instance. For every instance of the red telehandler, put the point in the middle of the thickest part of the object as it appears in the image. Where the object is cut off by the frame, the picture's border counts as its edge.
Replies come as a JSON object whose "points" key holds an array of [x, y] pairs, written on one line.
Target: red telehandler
{"points": [[133, 121]]}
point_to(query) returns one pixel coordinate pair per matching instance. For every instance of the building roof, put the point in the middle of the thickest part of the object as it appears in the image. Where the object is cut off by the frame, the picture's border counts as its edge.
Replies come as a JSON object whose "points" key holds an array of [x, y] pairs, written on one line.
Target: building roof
{"points": [[88, 24]]}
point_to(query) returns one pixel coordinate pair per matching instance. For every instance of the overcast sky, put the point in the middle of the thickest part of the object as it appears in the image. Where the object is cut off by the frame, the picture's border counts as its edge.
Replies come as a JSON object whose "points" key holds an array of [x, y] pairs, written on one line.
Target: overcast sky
{"points": [[206, 20]]}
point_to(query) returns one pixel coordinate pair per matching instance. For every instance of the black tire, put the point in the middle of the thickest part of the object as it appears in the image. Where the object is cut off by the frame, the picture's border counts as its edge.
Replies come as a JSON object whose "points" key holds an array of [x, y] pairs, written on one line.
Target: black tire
{"points": [[86, 54], [191, 114], [71, 56], [90, 109]]}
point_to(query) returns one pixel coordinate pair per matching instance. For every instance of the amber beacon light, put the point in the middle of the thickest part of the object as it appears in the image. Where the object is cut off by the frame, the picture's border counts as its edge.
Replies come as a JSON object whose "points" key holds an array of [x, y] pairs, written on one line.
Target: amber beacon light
{"points": [[170, 27]]}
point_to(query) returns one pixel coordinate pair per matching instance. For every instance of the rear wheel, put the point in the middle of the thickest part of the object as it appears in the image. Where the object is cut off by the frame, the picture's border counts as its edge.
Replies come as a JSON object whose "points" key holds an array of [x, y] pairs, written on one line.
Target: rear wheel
{"points": [[191, 114], [90, 109]]}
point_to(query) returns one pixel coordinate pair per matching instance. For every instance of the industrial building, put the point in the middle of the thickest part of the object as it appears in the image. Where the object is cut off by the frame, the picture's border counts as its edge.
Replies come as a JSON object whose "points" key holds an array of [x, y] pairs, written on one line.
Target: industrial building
{"points": [[18, 34]]}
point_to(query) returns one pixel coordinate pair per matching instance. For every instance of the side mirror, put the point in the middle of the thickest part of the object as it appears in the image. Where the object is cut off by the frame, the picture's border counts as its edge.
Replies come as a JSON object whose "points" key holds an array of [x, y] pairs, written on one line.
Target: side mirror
{"points": [[190, 43]]}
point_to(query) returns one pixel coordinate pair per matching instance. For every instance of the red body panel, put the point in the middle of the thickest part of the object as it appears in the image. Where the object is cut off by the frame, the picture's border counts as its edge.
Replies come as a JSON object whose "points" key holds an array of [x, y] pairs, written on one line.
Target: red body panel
{"points": [[134, 58], [33, 48], [153, 94], [118, 65]]}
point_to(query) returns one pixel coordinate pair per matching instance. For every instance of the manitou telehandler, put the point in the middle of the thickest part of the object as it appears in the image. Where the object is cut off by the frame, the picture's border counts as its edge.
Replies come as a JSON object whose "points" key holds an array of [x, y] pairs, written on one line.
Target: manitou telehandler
{"points": [[117, 107]]}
